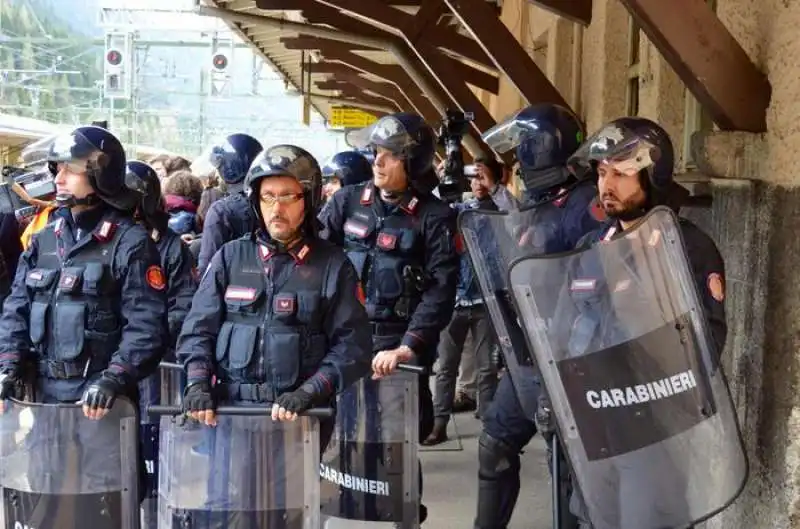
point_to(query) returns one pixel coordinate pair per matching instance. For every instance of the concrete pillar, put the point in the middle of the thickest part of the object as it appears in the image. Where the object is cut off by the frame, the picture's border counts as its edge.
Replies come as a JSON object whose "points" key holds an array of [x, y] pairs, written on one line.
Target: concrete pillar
{"points": [[755, 221], [560, 43], [662, 95], [605, 63]]}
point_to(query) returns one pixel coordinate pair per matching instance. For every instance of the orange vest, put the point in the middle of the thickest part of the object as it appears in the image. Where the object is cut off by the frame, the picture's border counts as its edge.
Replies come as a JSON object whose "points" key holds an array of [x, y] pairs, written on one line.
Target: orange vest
{"points": [[35, 225]]}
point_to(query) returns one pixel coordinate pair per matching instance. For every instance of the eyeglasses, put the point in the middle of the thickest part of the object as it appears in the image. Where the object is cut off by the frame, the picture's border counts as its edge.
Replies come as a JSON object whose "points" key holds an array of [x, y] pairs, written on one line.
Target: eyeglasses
{"points": [[270, 200]]}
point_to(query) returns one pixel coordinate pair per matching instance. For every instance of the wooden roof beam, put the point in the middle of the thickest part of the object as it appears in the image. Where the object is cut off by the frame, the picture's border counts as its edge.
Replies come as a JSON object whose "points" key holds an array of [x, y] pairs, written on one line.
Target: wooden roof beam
{"points": [[385, 90], [397, 21], [579, 11], [509, 55], [708, 59], [316, 43], [397, 78], [441, 68], [348, 90], [418, 74]]}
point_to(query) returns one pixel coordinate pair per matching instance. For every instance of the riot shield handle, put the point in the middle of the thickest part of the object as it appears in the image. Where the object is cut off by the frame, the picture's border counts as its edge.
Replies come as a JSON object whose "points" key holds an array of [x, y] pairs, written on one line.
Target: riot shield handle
{"points": [[411, 368], [245, 411], [171, 365]]}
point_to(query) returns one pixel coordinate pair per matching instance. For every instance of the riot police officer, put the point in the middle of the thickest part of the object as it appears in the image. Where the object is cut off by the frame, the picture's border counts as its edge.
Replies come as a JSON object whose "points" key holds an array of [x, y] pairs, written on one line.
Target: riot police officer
{"points": [[176, 260], [343, 169], [560, 209], [275, 318], [402, 242], [178, 264], [88, 299], [634, 161], [231, 217]]}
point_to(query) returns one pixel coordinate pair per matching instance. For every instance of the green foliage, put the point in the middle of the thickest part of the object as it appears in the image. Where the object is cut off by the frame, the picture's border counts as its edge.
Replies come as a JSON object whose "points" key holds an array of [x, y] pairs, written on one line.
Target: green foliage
{"points": [[53, 97], [59, 98]]}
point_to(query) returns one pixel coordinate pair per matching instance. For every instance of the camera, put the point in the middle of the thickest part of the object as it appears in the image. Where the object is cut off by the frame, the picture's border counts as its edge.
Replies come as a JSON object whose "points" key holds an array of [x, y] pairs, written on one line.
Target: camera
{"points": [[454, 126]]}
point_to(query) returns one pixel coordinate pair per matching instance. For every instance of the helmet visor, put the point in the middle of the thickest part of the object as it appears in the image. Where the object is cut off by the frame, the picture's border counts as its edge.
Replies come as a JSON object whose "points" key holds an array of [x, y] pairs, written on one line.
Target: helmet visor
{"points": [[73, 148], [623, 149], [388, 132], [509, 133]]}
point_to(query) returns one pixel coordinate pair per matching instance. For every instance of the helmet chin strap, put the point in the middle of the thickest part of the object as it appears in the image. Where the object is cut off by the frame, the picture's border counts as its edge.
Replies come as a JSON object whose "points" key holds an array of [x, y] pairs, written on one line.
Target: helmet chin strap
{"points": [[68, 200]]}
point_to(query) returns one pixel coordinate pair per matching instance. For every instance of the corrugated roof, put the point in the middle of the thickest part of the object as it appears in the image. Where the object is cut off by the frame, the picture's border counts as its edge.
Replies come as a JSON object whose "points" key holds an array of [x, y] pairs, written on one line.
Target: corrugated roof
{"points": [[288, 63]]}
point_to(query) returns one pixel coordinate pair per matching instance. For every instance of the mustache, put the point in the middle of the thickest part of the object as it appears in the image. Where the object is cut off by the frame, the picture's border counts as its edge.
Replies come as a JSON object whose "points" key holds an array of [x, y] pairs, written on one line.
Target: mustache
{"points": [[609, 195], [273, 219]]}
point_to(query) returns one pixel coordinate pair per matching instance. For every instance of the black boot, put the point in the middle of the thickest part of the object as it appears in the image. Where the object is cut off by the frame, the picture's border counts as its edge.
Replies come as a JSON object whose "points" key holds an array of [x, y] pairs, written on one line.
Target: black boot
{"points": [[439, 433]]}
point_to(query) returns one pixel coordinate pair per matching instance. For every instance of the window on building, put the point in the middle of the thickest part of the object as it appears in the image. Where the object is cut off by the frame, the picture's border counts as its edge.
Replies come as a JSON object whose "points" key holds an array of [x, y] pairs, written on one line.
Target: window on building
{"points": [[634, 68]]}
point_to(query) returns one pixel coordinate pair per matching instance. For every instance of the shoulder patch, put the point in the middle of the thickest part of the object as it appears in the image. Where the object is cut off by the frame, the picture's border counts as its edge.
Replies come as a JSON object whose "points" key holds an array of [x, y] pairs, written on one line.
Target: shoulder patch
{"points": [[155, 278], [716, 286], [596, 210]]}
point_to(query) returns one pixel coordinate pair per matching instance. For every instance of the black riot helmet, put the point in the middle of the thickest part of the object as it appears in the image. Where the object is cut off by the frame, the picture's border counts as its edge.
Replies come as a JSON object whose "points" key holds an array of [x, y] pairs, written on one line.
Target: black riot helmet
{"points": [[408, 137], [634, 145], [142, 178], [543, 137], [292, 161], [350, 167], [230, 157], [100, 155]]}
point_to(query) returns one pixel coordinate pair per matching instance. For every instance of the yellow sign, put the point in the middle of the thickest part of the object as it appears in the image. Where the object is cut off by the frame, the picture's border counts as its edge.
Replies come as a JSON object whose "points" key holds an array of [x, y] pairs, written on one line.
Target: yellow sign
{"points": [[351, 118]]}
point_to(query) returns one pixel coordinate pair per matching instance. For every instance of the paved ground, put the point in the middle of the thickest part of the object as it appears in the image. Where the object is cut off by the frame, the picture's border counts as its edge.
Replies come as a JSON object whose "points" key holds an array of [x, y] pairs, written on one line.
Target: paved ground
{"points": [[451, 485]]}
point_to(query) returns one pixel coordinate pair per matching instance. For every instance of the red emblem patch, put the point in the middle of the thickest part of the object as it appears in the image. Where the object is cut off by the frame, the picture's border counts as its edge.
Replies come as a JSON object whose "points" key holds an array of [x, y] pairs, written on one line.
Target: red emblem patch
{"points": [[284, 305], [596, 211], [155, 278], [387, 241]]}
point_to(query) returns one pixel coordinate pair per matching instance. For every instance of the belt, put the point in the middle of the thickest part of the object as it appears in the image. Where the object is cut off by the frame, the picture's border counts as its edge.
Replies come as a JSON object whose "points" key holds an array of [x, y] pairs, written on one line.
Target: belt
{"points": [[64, 370], [250, 392]]}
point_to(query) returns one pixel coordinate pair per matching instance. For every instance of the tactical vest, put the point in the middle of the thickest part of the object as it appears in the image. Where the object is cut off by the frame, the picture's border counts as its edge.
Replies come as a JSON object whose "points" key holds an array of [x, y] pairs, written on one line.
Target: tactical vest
{"points": [[272, 337], [388, 253], [75, 322]]}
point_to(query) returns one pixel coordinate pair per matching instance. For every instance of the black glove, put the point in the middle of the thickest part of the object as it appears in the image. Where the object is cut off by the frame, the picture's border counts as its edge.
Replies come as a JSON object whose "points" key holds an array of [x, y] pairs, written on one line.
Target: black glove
{"points": [[544, 417], [103, 392], [198, 397], [295, 401], [8, 384]]}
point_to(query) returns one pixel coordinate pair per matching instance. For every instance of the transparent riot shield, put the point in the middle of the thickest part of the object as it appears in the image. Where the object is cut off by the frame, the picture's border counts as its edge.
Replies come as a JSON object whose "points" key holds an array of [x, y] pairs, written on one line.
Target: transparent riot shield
{"points": [[59, 469], [172, 380], [370, 470], [247, 472], [494, 239], [627, 358], [164, 387]]}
